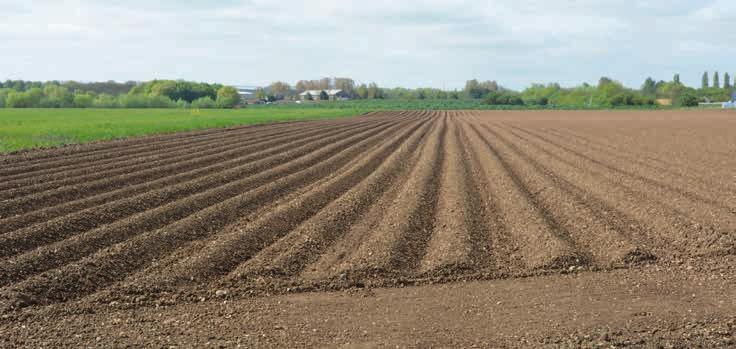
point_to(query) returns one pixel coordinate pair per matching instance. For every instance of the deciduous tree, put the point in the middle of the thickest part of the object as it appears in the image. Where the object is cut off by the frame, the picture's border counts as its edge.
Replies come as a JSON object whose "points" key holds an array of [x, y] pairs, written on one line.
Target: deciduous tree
{"points": [[227, 97]]}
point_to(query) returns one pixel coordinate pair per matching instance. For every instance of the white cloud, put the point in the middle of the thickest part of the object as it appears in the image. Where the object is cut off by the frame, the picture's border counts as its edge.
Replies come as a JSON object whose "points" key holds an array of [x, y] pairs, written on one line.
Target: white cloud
{"points": [[409, 43]]}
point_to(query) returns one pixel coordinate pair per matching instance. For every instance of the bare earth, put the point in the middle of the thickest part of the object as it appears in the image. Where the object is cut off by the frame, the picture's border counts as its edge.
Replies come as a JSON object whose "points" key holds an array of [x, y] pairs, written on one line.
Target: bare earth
{"points": [[445, 228]]}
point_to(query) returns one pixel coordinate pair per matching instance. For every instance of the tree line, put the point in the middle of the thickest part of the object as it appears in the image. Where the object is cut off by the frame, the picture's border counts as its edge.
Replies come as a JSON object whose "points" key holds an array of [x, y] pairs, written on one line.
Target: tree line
{"points": [[151, 94], [187, 94], [606, 93]]}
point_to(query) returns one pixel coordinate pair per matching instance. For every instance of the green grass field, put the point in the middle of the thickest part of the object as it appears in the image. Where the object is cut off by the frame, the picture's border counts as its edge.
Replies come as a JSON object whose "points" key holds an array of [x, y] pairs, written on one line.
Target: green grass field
{"points": [[36, 128]]}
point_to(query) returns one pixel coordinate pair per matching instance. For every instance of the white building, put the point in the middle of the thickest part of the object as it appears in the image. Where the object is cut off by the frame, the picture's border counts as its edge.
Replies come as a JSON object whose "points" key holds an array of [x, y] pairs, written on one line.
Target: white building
{"points": [[332, 95]]}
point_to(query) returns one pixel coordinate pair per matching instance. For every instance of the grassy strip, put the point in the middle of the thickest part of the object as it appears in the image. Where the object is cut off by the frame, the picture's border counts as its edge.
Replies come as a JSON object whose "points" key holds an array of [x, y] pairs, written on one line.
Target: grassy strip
{"points": [[40, 128]]}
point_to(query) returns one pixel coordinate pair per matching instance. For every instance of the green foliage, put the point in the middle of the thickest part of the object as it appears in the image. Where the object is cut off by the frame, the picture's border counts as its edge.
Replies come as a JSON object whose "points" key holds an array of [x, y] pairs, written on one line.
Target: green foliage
{"points": [[502, 98], [145, 101], [56, 96], [83, 100], [649, 88], [182, 104], [153, 94], [539, 94], [726, 81], [607, 94], [227, 97], [3, 96], [28, 99], [176, 90], [704, 81], [713, 94], [204, 103], [105, 100], [474, 89], [260, 94], [33, 128], [686, 99], [109, 87], [716, 80]]}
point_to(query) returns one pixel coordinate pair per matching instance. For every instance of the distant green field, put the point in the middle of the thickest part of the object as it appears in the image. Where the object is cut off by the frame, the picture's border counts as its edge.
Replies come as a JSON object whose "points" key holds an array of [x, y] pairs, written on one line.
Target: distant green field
{"points": [[35, 128]]}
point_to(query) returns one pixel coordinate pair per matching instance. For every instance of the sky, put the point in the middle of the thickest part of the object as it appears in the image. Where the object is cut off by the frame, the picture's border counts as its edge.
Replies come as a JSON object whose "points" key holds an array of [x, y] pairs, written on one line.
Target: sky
{"points": [[432, 43]]}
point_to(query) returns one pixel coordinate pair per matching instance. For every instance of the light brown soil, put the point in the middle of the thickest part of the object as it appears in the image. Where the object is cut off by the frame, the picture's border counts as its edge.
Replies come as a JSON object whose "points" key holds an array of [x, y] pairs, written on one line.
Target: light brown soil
{"points": [[448, 228]]}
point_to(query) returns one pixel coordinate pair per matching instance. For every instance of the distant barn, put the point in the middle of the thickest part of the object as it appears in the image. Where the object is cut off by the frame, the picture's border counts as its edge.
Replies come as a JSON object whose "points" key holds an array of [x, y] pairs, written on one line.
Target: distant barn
{"points": [[246, 92], [332, 95]]}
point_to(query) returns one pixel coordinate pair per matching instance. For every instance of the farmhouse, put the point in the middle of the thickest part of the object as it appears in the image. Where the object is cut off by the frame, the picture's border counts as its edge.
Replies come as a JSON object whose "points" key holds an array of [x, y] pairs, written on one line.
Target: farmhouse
{"points": [[332, 95]]}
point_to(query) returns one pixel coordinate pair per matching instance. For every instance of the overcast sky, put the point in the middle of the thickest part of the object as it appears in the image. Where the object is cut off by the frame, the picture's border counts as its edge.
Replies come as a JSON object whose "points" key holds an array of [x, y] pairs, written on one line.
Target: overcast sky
{"points": [[393, 42]]}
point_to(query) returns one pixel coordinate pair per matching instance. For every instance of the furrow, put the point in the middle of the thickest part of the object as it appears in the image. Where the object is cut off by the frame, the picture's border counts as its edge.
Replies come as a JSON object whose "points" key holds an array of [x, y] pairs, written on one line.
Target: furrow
{"points": [[460, 241], [68, 193], [700, 208], [76, 151], [661, 223], [541, 243], [640, 157], [217, 184], [490, 235], [114, 155], [398, 243], [80, 150], [133, 250], [688, 177], [91, 203], [335, 255], [37, 183], [570, 209], [241, 241]]}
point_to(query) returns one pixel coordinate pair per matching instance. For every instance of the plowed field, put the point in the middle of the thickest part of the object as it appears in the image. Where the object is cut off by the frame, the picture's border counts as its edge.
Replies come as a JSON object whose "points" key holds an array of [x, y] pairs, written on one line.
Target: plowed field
{"points": [[387, 199]]}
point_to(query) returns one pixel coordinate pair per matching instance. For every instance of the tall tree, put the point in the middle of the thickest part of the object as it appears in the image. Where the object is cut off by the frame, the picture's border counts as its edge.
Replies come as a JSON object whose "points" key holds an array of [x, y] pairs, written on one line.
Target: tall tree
{"points": [[726, 81], [676, 79], [325, 84], [604, 81], [476, 89], [716, 80], [374, 92], [345, 84], [227, 97], [649, 88], [704, 82], [301, 86], [279, 89], [362, 91], [260, 94]]}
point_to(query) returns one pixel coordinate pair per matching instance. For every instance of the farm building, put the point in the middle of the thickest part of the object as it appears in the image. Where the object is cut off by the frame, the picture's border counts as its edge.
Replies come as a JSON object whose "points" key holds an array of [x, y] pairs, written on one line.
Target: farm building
{"points": [[246, 92], [332, 95]]}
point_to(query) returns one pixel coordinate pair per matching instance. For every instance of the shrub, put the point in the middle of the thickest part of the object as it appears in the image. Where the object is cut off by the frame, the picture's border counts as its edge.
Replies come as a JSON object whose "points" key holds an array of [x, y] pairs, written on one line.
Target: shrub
{"points": [[83, 100], [502, 98], [227, 97], [182, 104], [204, 103], [687, 99], [105, 101], [27, 99]]}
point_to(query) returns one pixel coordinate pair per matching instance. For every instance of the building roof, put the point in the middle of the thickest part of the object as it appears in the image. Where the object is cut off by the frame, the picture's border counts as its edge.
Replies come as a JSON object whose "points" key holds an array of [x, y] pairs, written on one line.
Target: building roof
{"points": [[317, 92]]}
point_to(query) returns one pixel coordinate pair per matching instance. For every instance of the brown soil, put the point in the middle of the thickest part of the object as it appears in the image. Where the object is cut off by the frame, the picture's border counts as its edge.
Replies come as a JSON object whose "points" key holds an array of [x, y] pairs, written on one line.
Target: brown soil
{"points": [[445, 228]]}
